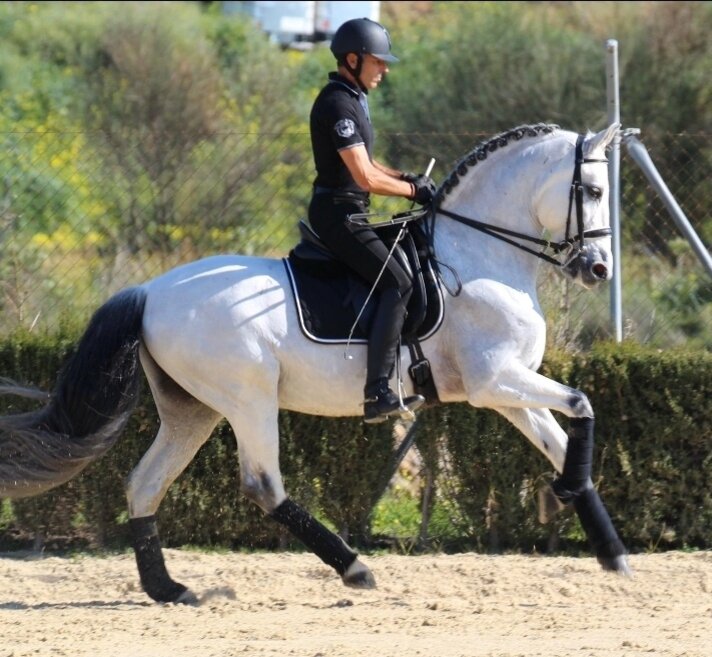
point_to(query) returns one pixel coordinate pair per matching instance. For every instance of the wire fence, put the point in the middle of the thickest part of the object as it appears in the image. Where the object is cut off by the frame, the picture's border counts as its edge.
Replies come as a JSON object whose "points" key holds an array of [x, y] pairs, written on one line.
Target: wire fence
{"points": [[84, 214]]}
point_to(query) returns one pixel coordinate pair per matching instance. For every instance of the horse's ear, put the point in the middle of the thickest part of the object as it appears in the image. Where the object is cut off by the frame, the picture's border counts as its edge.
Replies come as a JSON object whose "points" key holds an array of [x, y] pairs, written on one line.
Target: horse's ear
{"points": [[601, 140]]}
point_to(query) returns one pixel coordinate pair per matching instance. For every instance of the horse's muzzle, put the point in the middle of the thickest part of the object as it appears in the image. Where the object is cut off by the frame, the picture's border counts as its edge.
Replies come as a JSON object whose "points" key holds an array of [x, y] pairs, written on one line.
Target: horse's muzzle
{"points": [[590, 266]]}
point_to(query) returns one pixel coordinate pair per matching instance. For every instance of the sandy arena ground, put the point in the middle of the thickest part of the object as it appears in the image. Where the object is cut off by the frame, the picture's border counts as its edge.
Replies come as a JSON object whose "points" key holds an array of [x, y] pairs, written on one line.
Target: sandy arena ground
{"points": [[281, 605]]}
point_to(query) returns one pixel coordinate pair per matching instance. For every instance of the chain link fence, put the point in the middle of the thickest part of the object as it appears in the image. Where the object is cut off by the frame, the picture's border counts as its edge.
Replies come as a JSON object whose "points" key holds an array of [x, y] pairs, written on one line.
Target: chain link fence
{"points": [[84, 214]]}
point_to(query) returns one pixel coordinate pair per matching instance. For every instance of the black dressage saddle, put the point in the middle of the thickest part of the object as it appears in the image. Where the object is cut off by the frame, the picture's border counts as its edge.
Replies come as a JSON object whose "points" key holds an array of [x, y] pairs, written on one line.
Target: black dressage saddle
{"points": [[333, 302], [335, 305]]}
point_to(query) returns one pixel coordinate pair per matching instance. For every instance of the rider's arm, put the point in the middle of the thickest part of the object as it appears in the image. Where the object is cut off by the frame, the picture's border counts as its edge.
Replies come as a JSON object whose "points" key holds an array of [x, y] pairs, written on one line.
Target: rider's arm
{"points": [[387, 170], [373, 177]]}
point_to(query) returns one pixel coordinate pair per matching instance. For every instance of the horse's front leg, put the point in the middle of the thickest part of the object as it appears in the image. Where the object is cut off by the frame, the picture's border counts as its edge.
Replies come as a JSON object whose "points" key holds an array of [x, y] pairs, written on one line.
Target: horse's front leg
{"points": [[574, 486], [572, 456], [516, 391], [256, 429]]}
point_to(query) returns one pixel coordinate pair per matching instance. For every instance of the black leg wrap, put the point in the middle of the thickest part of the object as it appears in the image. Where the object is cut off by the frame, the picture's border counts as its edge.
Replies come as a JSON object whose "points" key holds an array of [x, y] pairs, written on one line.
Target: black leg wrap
{"points": [[329, 547], [155, 580], [578, 462], [598, 526], [575, 485]]}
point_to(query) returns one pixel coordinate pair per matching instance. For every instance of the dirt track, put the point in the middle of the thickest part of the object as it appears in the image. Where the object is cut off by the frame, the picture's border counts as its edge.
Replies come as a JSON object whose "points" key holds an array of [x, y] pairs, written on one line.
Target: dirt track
{"points": [[279, 605]]}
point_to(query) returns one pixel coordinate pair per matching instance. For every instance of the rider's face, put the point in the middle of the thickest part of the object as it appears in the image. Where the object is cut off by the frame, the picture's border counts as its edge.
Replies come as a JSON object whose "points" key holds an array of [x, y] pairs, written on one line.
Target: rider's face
{"points": [[372, 70]]}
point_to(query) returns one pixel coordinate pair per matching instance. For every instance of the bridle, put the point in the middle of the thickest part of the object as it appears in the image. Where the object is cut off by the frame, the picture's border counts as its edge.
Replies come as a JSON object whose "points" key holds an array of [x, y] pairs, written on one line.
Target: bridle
{"points": [[572, 246]]}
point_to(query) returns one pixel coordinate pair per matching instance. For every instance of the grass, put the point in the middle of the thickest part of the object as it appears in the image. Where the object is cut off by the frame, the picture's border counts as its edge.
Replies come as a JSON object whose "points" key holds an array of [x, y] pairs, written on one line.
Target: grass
{"points": [[398, 516]]}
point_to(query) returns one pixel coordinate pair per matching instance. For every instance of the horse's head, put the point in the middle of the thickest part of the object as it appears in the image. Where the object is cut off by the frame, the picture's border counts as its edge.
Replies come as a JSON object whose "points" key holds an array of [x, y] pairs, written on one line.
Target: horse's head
{"points": [[556, 181], [572, 206]]}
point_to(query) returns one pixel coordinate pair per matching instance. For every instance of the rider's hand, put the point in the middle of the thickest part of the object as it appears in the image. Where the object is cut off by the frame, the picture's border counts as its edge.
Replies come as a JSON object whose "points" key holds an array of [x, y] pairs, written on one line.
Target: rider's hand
{"points": [[423, 189], [408, 176]]}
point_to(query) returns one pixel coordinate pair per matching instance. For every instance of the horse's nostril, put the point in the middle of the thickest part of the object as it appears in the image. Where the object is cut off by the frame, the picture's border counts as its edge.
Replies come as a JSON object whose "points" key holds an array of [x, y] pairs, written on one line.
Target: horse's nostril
{"points": [[600, 271]]}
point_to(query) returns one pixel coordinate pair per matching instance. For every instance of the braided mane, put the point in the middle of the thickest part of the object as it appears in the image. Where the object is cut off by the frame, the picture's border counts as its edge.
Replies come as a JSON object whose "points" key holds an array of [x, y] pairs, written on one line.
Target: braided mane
{"points": [[481, 151]]}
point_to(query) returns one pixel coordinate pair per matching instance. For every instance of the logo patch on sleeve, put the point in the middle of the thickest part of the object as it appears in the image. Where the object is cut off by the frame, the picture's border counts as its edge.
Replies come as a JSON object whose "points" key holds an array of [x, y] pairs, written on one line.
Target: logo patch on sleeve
{"points": [[345, 128]]}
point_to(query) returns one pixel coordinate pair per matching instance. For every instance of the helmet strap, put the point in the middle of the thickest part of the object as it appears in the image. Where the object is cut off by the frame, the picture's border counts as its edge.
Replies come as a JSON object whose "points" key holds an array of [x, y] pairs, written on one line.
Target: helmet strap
{"points": [[355, 71]]}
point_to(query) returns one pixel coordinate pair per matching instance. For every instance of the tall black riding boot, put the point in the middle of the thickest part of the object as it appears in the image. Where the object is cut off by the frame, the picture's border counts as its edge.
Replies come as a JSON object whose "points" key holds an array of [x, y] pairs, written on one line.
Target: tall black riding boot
{"points": [[380, 401]]}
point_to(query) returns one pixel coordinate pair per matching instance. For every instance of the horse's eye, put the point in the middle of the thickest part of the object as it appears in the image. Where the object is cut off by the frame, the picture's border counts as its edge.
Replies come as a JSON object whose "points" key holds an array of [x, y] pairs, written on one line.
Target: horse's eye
{"points": [[593, 191]]}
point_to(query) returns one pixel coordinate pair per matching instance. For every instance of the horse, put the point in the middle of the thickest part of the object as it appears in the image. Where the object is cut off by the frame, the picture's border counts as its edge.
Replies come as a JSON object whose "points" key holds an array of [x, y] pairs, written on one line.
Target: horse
{"points": [[219, 338]]}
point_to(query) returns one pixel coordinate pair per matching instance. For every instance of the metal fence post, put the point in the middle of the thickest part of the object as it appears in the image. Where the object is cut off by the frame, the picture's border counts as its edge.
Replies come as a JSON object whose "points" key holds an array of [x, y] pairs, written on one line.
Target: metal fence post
{"points": [[614, 116]]}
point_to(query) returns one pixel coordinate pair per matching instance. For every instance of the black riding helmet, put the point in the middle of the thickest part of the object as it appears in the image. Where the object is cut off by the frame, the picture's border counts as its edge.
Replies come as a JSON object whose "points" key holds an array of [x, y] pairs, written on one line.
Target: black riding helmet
{"points": [[361, 36]]}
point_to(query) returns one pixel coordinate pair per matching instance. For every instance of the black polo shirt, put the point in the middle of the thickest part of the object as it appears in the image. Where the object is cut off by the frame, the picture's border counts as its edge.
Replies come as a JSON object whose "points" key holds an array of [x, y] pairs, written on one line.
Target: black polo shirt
{"points": [[338, 120]]}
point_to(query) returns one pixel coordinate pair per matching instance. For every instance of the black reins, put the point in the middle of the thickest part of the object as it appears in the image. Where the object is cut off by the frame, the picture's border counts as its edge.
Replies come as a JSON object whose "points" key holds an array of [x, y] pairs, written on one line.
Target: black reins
{"points": [[568, 243]]}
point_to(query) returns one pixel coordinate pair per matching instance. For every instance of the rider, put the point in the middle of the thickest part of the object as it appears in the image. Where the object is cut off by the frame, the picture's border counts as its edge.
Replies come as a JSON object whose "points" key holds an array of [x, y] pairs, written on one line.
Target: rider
{"points": [[342, 143]]}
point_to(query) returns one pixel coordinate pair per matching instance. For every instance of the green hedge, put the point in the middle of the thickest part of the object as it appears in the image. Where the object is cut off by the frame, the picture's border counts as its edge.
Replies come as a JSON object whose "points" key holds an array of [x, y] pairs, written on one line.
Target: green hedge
{"points": [[653, 465]]}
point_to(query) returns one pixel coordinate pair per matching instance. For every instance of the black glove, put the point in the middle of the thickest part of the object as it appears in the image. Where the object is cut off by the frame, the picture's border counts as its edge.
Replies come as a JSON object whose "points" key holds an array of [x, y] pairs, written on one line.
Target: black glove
{"points": [[423, 189], [409, 176]]}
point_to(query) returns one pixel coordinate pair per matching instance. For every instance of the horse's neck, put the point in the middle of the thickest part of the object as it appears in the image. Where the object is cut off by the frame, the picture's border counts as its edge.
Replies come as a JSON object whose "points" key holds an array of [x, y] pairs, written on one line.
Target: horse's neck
{"points": [[497, 191]]}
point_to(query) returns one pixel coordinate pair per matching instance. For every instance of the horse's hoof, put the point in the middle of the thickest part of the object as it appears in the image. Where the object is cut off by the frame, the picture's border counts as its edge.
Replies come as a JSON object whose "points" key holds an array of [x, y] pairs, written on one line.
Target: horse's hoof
{"points": [[358, 576], [171, 592], [618, 564], [186, 598]]}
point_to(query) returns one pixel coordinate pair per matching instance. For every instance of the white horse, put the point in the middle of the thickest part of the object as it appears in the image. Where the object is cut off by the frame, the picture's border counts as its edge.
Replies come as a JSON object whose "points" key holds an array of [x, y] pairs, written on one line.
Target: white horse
{"points": [[220, 337]]}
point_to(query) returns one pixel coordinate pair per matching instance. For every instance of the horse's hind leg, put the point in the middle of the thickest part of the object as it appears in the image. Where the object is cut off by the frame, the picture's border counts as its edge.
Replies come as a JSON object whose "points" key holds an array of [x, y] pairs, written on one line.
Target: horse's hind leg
{"points": [[572, 456], [257, 432], [186, 424]]}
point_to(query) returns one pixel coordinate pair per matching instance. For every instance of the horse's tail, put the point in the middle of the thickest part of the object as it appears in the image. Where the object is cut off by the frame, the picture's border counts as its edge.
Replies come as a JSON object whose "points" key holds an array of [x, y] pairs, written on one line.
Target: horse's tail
{"points": [[94, 396]]}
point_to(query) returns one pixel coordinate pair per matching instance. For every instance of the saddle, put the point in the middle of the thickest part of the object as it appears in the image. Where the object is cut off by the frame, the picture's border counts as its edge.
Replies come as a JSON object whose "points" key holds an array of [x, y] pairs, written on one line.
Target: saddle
{"points": [[333, 303]]}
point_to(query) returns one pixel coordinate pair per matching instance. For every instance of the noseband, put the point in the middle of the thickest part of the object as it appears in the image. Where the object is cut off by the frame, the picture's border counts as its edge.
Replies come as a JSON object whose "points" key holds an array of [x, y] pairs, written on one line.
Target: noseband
{"points": [[569, 243]]}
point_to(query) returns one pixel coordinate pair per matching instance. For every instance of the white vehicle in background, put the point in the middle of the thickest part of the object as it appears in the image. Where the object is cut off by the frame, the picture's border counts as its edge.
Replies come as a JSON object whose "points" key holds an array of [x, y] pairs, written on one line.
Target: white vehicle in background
{"points": [[301, 24], [330, 15]]}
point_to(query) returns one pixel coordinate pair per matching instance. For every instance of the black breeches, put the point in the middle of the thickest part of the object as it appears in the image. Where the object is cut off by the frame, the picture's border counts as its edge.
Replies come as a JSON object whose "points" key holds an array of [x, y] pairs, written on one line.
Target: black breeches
{"points": [[361, 248], [358, 246]]}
